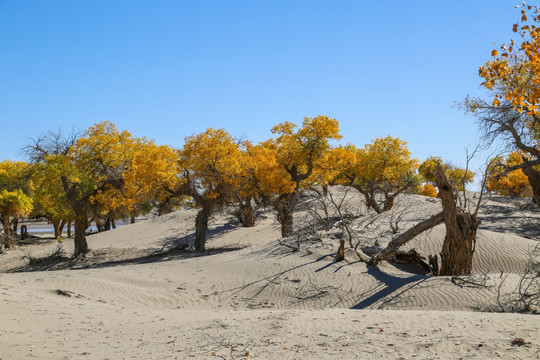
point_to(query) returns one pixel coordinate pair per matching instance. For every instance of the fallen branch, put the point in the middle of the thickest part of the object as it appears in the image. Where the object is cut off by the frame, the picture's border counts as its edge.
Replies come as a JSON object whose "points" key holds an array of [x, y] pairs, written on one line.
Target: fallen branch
{"points": [[408, 235]]}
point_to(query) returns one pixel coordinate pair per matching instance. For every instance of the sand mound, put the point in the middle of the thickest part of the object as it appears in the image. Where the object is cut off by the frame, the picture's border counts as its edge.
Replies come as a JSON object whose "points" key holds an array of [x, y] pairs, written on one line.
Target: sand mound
{"points": [[252, 297]]}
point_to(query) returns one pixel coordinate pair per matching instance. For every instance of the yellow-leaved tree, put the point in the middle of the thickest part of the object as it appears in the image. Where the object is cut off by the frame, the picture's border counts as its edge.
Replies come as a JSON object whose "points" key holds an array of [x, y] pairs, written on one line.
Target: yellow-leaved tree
{"points": [[104, 172], [210, 166], [146, 173], [13, 204], [512, 112], [49, 196], [92, 176], [87, 172], [336, 161], [151, 179], [293, 156], [427, 189], [15, 189], [382, 168], [459, 177], [260, 180], [514, 183]]}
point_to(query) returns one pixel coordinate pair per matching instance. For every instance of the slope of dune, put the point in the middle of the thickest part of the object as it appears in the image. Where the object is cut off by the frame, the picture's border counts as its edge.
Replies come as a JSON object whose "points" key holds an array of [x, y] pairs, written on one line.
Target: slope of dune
{"points": [[138, 295]]}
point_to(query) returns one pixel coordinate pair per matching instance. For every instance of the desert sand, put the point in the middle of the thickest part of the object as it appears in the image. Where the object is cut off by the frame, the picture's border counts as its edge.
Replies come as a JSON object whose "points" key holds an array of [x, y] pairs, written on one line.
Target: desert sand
{"points": [[137, 295]]}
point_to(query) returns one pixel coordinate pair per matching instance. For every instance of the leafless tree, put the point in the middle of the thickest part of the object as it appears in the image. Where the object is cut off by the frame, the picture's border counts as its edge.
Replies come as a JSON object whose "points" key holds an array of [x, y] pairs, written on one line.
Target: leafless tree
{"points": [[50, 143]]}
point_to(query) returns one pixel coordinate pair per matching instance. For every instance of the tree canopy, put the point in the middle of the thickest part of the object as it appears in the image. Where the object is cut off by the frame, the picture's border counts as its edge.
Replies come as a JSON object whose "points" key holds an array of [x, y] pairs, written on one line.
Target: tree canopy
{"points": [[512, 78], [15, 192], [513, 183], [298, 152], [107, 173], [383, 167], [211, 167]]}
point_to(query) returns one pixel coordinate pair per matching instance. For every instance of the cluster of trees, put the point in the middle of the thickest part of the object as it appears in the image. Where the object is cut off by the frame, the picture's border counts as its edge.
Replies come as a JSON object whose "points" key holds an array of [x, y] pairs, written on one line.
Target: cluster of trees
{"points": [[106, 174]]}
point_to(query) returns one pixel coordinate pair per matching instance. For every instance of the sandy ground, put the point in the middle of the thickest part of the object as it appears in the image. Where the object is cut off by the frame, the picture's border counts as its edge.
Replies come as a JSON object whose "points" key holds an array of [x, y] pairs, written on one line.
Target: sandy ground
{"points": [[136, 296]]}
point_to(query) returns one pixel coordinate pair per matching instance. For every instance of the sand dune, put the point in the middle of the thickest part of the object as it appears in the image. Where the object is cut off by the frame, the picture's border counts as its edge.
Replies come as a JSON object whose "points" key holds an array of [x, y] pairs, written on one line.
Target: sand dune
{"points": [[250, 297]]}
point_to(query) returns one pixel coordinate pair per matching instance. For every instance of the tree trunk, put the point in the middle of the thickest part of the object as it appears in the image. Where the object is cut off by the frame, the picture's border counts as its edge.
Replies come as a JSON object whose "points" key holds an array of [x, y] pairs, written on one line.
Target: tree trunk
{"points": [[390, 197], [69, 229], [24, 232], [79, 206], [201, 224], [113, 224], [132, 219], [81, 224], [100, 224], [56, 227], [285, 209], [164, 207], [247, 214], [107, 225], [388, 204], [5, 223], [371, 202], [15, 225], [61, 227], [534, 180], [461, 227]]}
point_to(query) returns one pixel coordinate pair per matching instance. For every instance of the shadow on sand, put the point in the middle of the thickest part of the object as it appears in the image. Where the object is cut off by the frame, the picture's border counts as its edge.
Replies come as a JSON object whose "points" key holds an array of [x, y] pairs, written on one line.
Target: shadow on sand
{"points": [[173, 248], [101, 258], [395, 287]]}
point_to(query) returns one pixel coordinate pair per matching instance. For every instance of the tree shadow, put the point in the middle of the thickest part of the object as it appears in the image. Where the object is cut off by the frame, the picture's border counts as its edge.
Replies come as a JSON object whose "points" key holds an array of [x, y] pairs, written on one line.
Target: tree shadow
{"points": [[101, 258], [272, 279], [173, 248], [189, 239], [517, 218], [33, 240], [390, 291], [342, 264]]}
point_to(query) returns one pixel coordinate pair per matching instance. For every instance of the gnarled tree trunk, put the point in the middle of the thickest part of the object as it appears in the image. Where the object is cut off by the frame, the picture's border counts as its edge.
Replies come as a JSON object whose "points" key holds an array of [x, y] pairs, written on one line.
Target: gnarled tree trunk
{"points": [[461, 227], [107, 224], [534, 181], [201, 224], [5, 222], [81, 224], [285, 208], [245, 213], [460, 239], [79, 207], [15, 225], [370, 198]]}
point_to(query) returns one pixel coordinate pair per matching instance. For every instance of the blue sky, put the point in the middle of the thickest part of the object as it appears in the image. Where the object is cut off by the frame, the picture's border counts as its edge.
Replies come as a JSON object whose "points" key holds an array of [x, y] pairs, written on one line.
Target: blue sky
{"points": [[169, 69]]}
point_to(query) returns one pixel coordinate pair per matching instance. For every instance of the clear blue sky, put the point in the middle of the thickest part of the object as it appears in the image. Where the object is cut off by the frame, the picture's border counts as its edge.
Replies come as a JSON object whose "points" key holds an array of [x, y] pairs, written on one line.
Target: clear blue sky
{"points": [[169, 69]]}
